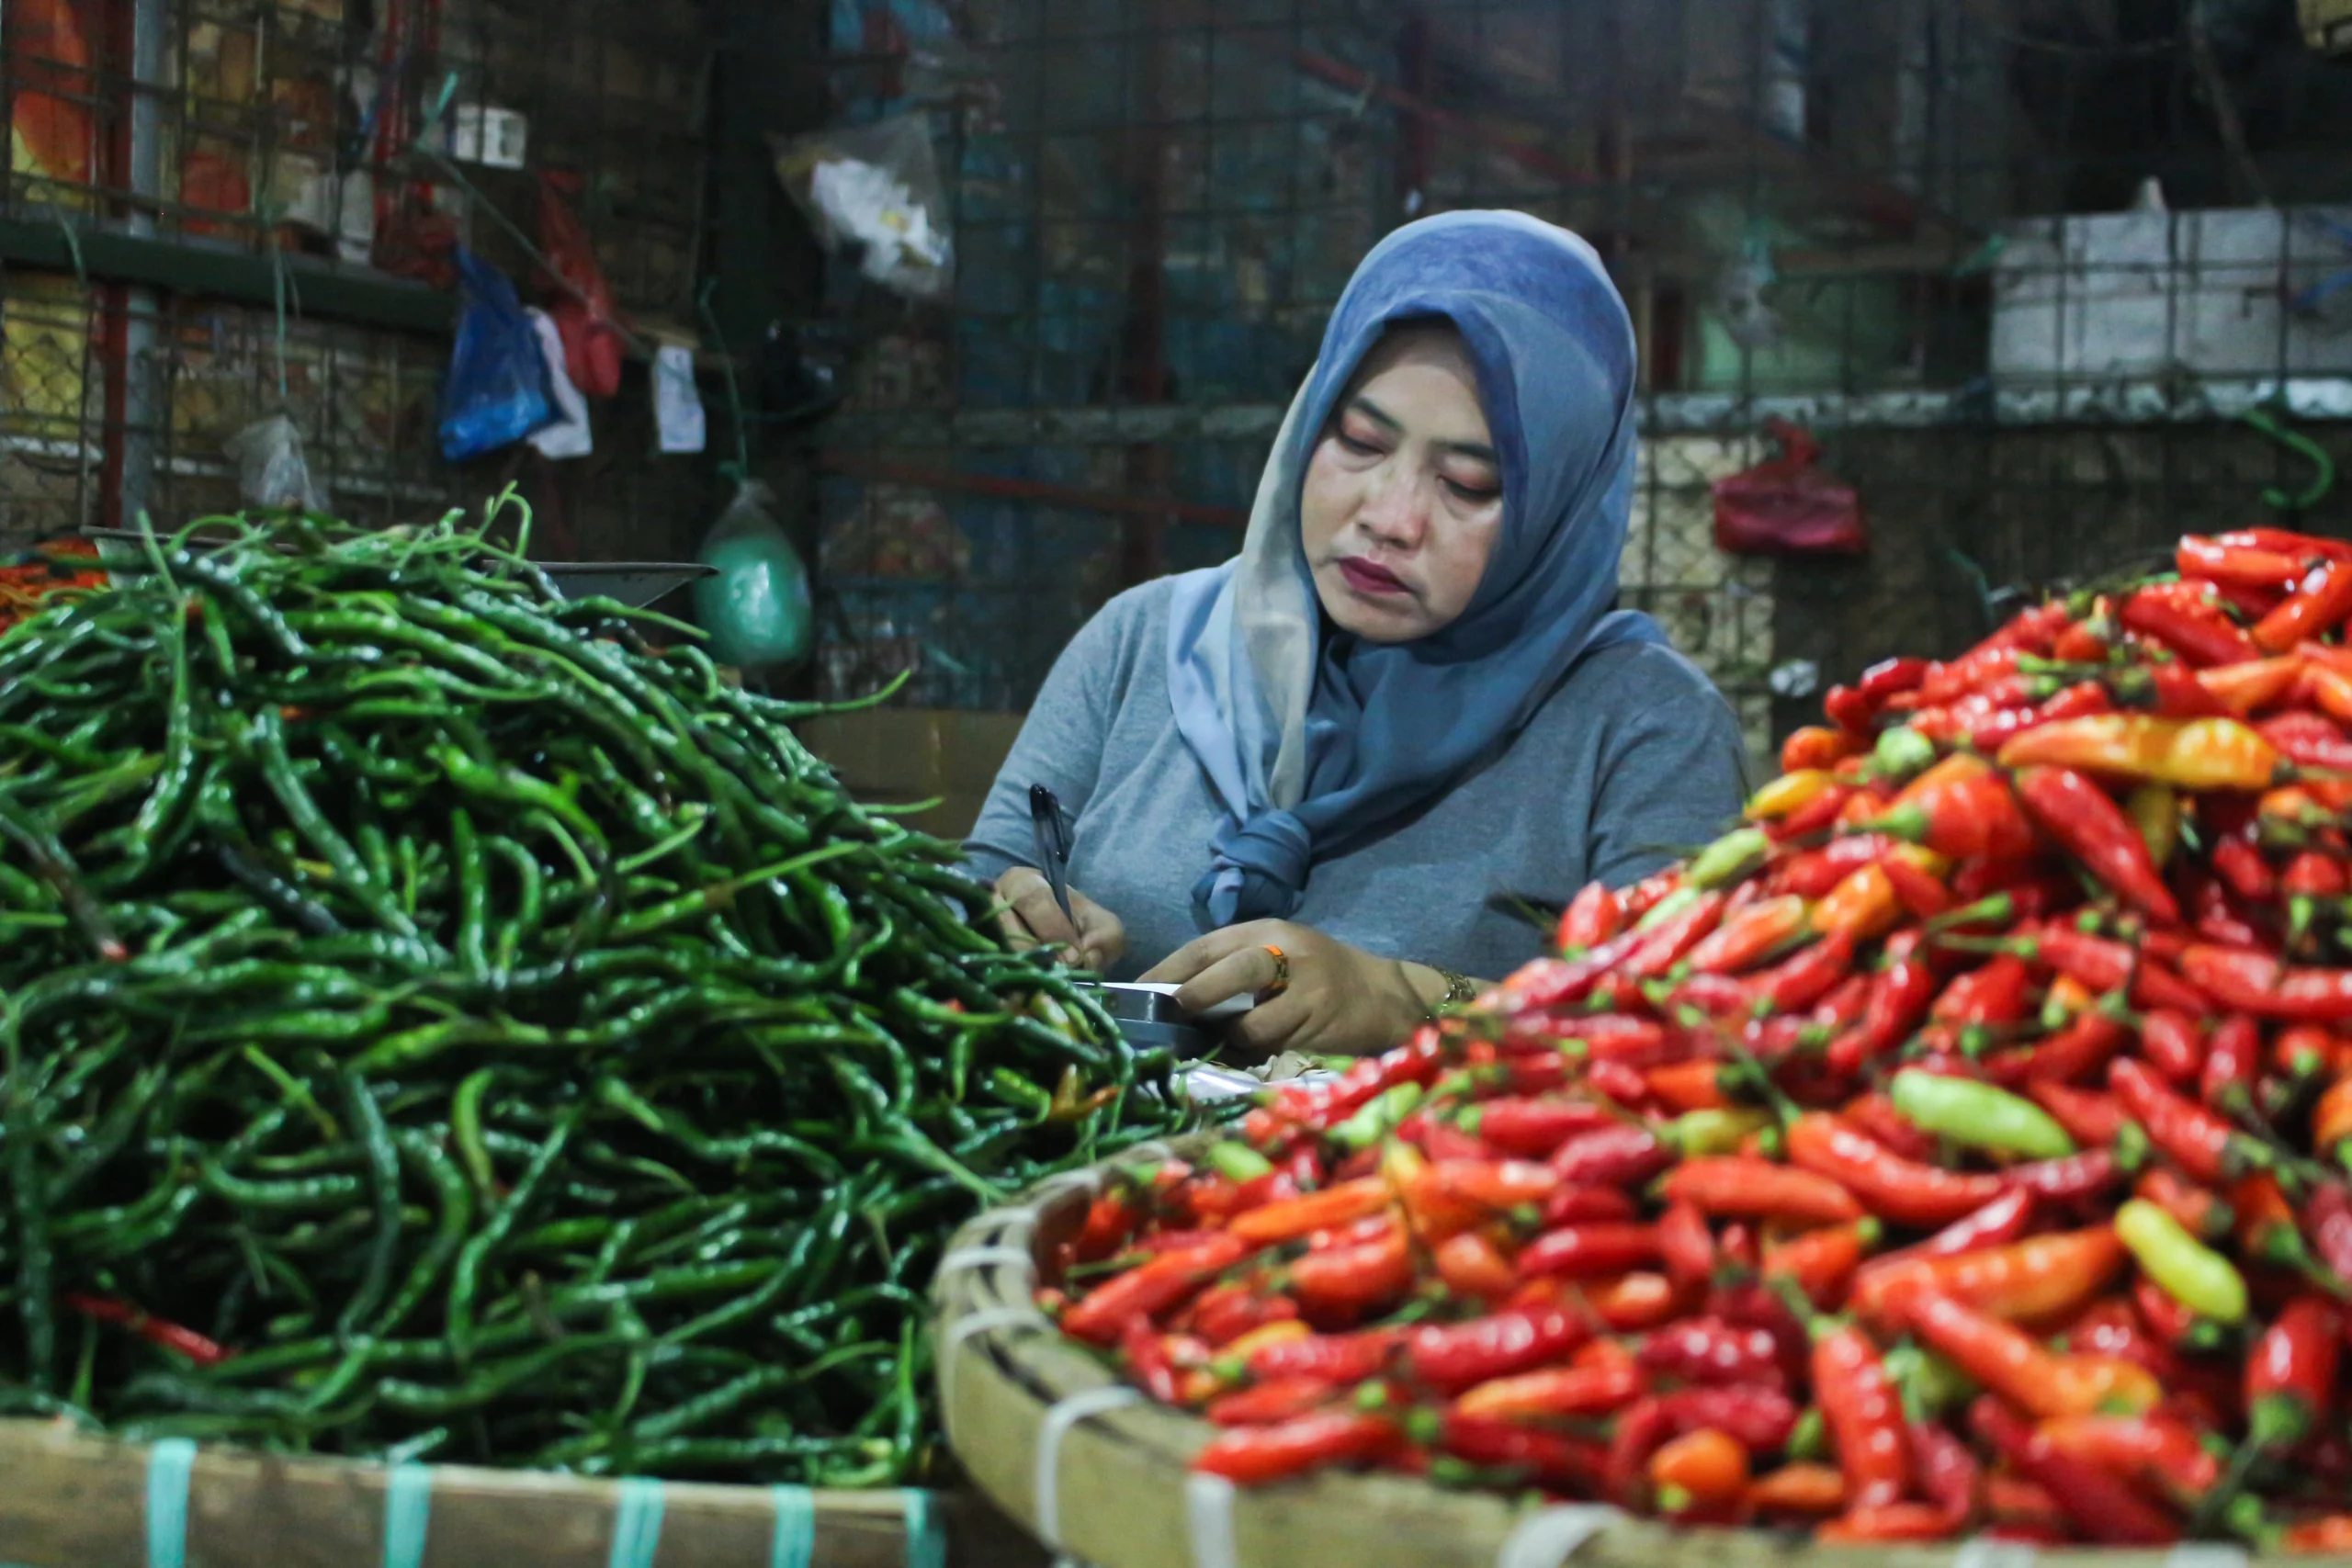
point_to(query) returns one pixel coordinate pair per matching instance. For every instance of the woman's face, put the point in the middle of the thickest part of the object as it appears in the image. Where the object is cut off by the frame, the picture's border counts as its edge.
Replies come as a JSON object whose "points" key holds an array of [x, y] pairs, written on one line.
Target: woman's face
{"points": [[1403, 497]]}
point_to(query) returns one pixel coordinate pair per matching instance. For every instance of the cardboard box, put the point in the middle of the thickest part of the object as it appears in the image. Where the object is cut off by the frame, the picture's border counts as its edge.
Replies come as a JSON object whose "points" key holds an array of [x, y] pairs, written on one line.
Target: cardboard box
{"points": [[2328, 25], [900, 756]]}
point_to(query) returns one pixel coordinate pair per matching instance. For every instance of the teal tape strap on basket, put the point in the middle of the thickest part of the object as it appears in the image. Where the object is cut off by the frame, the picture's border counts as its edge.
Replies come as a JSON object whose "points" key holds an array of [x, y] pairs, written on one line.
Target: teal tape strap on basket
{"points": [[408, 1511], [795, 1544], [926, 1544], [170, 1463], [637, 1524]]}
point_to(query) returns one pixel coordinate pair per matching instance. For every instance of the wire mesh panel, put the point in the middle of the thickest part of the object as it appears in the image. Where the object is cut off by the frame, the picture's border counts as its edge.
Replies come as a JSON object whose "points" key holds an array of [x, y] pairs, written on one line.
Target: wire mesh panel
{"points": [[1908, 225]]}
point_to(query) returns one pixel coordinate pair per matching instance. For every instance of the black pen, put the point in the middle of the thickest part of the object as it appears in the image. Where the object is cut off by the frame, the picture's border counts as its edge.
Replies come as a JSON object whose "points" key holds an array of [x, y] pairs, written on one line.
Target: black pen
{"points": [[1050, 832]]}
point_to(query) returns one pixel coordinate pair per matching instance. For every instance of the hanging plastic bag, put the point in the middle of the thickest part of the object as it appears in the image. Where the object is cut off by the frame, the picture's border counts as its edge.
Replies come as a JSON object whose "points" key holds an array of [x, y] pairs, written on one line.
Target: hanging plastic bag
{"points": [[1785, 506], [584, 314], [497, 390], [876, 187], [271, 470], [756, 606]]}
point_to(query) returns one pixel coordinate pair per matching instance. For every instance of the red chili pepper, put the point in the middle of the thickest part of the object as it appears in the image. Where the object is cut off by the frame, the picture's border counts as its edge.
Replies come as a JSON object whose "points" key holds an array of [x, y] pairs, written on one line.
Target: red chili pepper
{"points": [[1592, 917], [1822, 1262], [1459, 1356], [1711, 1350], [1339, 1205], [1579, 1205], [2105, 965], [1818, 746], [1889, 1186], [1109, 1220], [2261, 985], [1995, 993], [2155, 1450], [2173, 1324], [2309, 740], [1875, 1115], [1865, 1417], [2266, 1226], [1998, 1222], [1473, 1267], [1255, 1455], [1685, 1244], [2089, 825], [1892, 677], [1962, 808], [2089, 1116], [2069, 1180], [1269, 1402], [2232, 1066], [2201, 1211], [1321, 1105], [1556, 1393], [1734, 1186], [1660, 947], [156, 1331], [1337, 1358], [2247, 689], [2246, 564], [2332, 1121], [1585, 1252], [2172, 690], [2174, 1043], [1101, 1317], [1144, 1355], [1749, 935], [1354, 1276], [2290, 1377], [2199, 1142], [1492, 1183], [2327, 1214], [2242, 867], [1610, 1156], [1532, 1128], [2316, 607], [1802, 979], [2036, 1279], [1547, 1458], [2203, 636], [1900, 996], [1944, 1472]]}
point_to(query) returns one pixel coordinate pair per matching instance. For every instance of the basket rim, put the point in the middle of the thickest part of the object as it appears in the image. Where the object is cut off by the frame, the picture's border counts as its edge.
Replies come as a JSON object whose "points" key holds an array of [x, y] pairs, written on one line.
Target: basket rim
{"points": [[1005, 1374]]}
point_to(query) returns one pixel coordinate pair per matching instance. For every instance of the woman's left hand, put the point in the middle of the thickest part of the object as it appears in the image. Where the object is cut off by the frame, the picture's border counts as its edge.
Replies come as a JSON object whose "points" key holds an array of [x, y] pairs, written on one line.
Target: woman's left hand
{"points": [[1339, 1001]]}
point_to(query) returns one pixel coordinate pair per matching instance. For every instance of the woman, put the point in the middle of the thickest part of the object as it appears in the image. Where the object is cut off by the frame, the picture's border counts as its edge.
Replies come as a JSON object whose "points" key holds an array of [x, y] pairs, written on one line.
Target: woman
{"points": [[1331, 774]]}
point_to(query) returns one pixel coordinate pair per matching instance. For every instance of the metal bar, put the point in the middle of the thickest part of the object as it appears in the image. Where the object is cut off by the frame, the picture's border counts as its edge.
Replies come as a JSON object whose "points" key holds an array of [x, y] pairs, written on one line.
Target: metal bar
{"points": [[1533, 159], [329, 293], [1113, 503]]}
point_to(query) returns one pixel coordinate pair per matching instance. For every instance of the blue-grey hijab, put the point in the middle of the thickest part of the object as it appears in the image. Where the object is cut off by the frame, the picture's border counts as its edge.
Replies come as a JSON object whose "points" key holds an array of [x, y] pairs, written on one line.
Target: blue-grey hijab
{"points": [[1314, 741]]}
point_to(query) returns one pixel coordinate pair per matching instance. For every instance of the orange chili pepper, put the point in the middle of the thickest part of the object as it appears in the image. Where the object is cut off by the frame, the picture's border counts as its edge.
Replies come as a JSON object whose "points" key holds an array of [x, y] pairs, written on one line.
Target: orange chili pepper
{"points": [[2247, 689], [1311, 1212], [1863, 906], [1472, 1264], [2013, 1364], [1706, 1467], [2197, 753], [2042, 1277], [1802, 1488]]}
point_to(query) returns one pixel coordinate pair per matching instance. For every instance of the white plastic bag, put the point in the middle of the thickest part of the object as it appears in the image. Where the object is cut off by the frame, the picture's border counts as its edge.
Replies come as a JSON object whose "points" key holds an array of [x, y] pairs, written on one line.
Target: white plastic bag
{"points": [[271, 470], [876, 187]]}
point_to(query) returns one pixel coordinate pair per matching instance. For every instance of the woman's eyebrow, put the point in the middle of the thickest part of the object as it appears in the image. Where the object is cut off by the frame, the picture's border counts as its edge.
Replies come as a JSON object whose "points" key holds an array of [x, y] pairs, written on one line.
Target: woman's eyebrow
{"points": [[1475, 451]]}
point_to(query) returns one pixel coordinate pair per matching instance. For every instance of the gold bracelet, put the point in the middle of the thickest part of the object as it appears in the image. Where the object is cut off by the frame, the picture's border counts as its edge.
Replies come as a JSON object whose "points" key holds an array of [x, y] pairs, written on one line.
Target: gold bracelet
{"points": [[1460, 991]]}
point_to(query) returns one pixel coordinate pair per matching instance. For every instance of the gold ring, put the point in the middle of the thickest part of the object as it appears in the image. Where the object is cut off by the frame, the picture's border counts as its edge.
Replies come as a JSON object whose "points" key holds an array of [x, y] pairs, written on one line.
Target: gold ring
{"points": [[1281, 972]]}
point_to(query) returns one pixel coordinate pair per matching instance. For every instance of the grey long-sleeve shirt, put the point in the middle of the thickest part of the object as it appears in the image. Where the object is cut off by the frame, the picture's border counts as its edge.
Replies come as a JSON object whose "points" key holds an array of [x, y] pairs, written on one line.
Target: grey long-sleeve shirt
{"points": [[1634, 759]]}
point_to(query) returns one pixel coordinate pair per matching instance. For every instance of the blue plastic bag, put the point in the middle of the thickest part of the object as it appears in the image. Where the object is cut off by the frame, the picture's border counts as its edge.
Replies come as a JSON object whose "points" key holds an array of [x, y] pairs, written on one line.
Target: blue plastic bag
{"points": [[497, 390]]}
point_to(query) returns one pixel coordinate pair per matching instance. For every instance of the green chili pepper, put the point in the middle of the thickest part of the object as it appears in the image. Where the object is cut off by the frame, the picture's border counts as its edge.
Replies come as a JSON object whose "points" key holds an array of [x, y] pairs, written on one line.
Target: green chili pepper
{"points": [[2190, 1272], [1978, 1115]]}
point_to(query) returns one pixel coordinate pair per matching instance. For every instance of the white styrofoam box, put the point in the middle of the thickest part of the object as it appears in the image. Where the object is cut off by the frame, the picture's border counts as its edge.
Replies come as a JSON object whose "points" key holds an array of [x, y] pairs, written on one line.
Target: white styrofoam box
{"points": [[2131, 294], [490, 135]]}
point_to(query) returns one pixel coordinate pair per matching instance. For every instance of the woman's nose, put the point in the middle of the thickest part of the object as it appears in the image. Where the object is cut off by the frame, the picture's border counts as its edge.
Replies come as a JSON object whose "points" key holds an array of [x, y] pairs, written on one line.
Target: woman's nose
{"points": [[1396, 511]]}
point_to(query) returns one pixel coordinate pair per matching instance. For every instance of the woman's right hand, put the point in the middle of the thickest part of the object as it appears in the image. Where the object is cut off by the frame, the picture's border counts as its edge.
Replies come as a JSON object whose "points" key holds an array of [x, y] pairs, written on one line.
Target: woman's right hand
{"points": [[1032, 918]]}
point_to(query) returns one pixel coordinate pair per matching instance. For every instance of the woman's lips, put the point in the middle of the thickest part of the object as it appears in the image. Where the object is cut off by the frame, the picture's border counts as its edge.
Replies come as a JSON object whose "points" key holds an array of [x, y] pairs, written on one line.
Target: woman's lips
{"points": [[1368, 577]]}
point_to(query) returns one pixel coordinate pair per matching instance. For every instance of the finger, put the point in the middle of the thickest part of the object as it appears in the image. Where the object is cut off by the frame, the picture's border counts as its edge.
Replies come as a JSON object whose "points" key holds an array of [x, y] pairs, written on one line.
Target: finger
{"points": [[1196, 957], [1043, 916], [1242, 973], [1273, 1025], [1103, 938]]}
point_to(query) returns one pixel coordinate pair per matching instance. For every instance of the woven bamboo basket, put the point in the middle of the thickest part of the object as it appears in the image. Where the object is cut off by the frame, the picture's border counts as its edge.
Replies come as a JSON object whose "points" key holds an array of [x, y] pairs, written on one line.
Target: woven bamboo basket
{"points": [[71, 1501], [1045, 1428]]}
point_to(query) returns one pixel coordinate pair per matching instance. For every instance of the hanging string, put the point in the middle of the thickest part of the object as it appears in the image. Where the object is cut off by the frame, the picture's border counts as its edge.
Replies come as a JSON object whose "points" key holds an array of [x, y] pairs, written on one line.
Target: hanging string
{"points": [[742, 465]]}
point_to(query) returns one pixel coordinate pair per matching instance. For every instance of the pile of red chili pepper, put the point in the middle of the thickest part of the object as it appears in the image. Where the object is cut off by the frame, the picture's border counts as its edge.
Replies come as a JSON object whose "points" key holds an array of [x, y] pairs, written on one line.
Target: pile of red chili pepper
{"points": [[1959, 1146], [24, 584]]}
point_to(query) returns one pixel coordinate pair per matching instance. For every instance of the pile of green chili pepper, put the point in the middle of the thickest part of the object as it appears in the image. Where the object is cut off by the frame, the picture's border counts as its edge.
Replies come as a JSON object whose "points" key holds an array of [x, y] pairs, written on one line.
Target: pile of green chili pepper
{"points": [[440, 1022]]}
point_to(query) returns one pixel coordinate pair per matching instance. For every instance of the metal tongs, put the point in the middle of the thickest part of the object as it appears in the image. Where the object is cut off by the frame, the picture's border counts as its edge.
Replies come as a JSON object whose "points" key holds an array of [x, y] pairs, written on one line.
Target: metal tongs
{"points": [[1049, 831]]}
